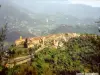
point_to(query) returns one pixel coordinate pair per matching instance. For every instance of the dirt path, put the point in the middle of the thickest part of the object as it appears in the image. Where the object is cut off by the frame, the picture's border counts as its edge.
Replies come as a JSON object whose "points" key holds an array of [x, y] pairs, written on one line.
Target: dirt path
{"points": [[23, 59]]}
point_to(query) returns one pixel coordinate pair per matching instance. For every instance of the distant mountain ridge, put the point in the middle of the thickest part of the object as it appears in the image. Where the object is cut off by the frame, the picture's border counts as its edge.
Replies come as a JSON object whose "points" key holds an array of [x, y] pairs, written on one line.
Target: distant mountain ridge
{"points": [[39, 22], [90, 29], [47, 7]]}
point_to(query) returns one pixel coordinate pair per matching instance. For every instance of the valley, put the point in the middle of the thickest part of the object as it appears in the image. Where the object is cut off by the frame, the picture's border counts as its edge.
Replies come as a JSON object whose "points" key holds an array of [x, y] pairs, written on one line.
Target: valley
{"points": [[22, 20], [49, 37]]}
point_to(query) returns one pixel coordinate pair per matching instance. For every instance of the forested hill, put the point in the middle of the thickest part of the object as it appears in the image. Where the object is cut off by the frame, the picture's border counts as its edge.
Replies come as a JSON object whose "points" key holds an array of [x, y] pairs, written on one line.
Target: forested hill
{"points": [[62, 53]]}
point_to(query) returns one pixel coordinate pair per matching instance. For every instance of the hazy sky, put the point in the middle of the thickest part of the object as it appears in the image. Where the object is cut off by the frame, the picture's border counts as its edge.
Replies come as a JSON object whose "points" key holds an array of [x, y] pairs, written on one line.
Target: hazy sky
{"points": [[94, 3]]}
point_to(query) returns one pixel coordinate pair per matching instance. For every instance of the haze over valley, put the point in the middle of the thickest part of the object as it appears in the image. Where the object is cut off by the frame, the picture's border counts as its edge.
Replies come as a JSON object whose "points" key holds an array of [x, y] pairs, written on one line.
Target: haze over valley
{"points": [[42, 18]]}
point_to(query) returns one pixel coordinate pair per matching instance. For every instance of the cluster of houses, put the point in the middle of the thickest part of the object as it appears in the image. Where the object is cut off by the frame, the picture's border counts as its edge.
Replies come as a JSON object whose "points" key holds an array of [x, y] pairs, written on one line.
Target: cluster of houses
{"points": [[55, 40]]}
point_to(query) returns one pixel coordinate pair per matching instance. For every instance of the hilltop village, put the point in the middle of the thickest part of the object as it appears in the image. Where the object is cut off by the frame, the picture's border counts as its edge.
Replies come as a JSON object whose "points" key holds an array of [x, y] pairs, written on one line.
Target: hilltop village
{"points": [[54, 40]]}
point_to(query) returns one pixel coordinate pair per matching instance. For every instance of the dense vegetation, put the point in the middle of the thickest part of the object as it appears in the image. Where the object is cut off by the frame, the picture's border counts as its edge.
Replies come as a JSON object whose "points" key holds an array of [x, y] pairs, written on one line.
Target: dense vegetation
{"points": [[79, 54]]}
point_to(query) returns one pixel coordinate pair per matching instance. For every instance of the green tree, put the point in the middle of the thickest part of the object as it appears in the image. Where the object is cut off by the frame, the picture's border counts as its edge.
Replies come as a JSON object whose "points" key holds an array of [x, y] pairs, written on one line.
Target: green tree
{"points": [[3, 32]]}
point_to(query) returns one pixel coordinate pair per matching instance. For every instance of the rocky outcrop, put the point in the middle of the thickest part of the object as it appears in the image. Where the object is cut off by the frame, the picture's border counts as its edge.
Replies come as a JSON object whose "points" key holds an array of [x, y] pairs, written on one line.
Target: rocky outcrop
{"points": [[53, 40]]}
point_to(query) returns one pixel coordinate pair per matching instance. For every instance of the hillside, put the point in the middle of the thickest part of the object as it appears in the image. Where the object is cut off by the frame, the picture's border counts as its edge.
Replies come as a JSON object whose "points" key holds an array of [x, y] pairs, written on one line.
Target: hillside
{"points": [[65, 53], [48, 7], [49, 37], [17, 20], [36, 22], [90, 29]]}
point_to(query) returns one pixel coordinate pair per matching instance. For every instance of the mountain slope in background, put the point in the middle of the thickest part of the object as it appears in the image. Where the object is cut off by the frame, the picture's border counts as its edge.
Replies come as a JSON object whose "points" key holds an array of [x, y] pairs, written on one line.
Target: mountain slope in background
{"points": [[91, 29], [48, 7], [17, 20], [41, 19]]}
